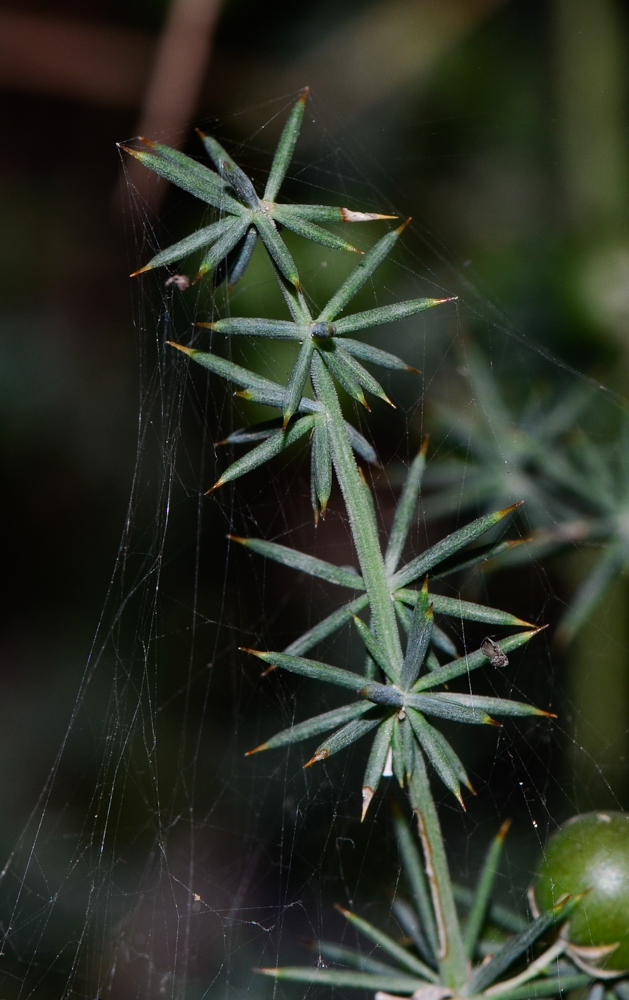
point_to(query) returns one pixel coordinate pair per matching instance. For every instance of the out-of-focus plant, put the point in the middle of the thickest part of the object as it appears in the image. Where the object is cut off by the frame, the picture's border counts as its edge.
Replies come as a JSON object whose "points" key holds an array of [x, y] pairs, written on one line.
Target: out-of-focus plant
{"points": [[577, 490]]}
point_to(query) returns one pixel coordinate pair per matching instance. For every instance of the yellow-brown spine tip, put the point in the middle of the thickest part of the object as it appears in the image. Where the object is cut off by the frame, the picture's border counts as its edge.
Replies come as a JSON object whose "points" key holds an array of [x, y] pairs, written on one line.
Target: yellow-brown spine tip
{"points": [[186, 350], [206, 326], [459, 799], [389, 401], [504, 829], [341, 909], [149, 142], [320, 755], [424, 447], [416, 371], [304, 95], [262, 746], [200, 133], [348, 215], [506, 510], [147, 267], [237, 538], [219, 482], [367, 797], [269, 670], [400, 229]]}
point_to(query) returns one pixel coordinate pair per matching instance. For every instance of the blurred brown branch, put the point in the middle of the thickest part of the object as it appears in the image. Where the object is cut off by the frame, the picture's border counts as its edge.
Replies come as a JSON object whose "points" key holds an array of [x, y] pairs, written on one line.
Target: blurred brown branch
{"points": [[86, 62], [174, 86]]}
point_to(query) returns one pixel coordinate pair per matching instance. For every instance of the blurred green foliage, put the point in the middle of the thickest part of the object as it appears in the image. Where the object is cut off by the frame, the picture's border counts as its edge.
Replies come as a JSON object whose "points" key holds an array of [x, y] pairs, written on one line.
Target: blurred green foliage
{"points": [[494, 153]]}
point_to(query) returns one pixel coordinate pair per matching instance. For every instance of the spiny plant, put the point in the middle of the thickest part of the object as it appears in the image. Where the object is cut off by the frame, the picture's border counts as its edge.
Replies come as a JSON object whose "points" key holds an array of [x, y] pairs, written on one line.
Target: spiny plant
{"points": [[576, 490], [395, 693], [244, 215]]}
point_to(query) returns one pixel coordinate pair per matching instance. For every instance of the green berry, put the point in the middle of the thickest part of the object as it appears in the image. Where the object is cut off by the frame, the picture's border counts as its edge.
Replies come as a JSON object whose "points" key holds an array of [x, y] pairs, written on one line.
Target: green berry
{"points": [[590, 854]]}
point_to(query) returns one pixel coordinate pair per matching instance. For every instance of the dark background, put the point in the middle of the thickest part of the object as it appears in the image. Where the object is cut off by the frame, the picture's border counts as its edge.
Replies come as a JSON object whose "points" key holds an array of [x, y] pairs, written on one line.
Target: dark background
{"points": [[141, 854]]}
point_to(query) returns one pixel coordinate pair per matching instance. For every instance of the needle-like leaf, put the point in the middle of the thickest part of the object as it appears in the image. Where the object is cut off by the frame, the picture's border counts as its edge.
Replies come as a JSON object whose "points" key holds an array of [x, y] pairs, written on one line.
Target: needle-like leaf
{"points": [[377, 357], [385, 314], [415, 877], [188, 245], [472, 661], [223, 245], [310, 230], [484, 887], [285, 148], [405, 510], [397, 983], [344, 376], [518, 945], [590, 592], [434, 750], [230, 171], [441, 640], [360, 445], [499, 915], [391, 947], [302, 562], [311, 668], [344, 737], [362, 376], [465, 610], [276, 247], [321, 467], [436, 704], [407, 919], [330, 213], [327, 627], [244, 255], [548, 987], [313, 727], [447, 546], [418, 638], [374, 648], [498, 706], [375, 764], [279, 329], [265, 451], [361, 274], [189, 180], [485, 553], [350, 956], [297, 382]]}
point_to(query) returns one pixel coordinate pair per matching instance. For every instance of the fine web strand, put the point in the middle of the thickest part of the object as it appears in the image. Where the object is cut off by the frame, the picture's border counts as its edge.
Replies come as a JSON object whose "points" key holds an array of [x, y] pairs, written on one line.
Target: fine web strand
{"points": [[184, 865]]}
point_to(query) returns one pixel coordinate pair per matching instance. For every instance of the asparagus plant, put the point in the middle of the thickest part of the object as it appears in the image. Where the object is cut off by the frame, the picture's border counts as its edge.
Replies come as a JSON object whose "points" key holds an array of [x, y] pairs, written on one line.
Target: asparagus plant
{"points": [[405, 680], [576, 490]]}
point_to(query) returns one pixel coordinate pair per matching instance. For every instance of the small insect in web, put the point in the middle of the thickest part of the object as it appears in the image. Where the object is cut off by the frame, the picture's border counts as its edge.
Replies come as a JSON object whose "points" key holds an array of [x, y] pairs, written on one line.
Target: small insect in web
{"points": [[181, 281], [493, 652]]}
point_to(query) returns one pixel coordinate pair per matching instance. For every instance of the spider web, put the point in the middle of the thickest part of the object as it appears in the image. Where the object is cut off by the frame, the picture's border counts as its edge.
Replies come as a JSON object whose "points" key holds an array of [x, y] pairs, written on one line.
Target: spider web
{"points": [[168, 864]]}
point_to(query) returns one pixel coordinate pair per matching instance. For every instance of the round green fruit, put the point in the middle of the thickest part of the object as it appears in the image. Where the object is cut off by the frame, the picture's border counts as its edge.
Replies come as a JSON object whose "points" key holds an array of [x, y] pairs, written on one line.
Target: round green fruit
{"points": [[590, 854]]}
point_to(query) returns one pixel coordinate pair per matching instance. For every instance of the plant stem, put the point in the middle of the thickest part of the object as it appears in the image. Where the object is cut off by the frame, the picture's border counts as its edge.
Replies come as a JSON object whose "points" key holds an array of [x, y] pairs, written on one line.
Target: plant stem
{"points": [[451, 949], [361, 517]]}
